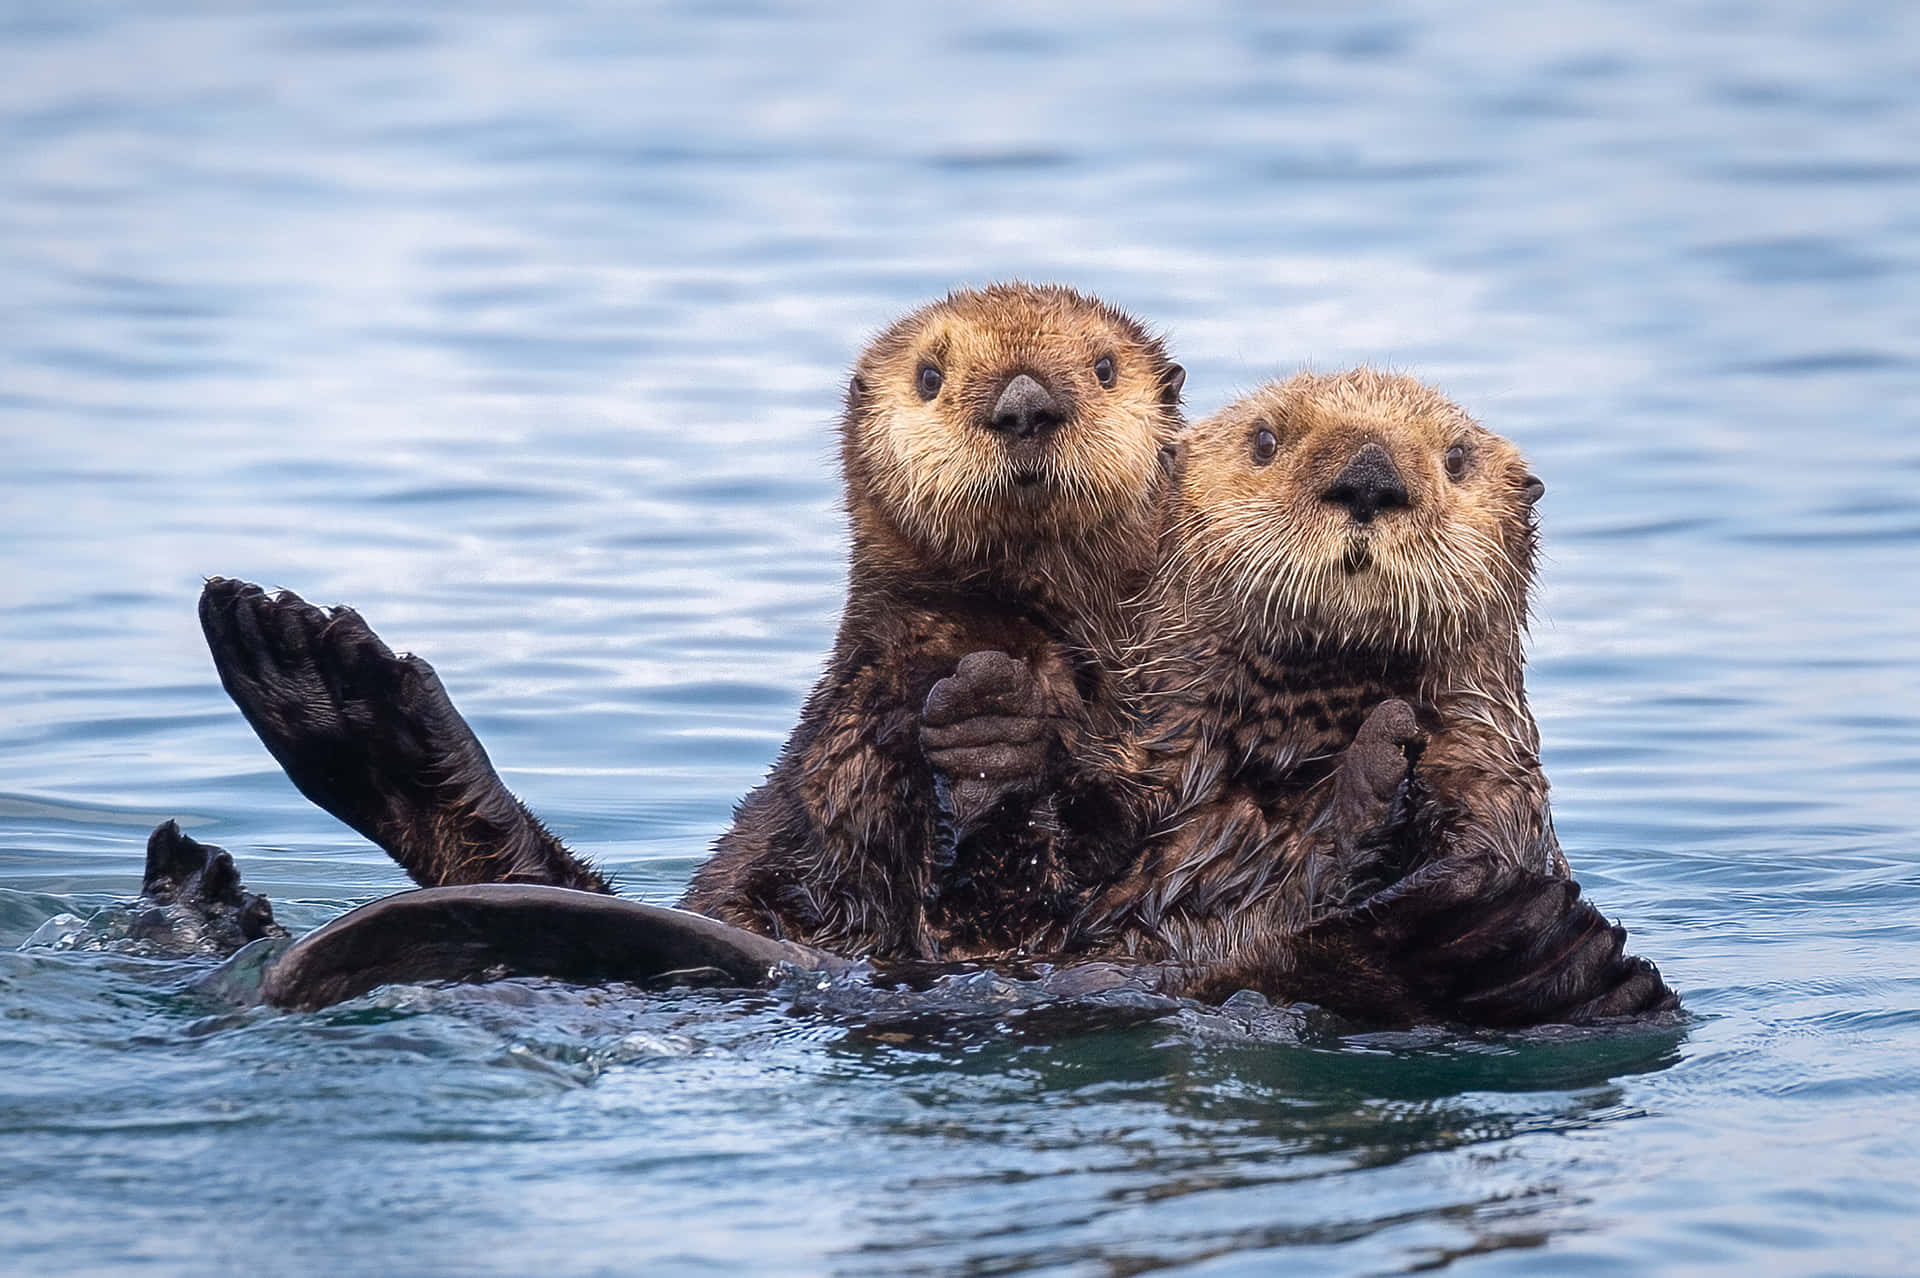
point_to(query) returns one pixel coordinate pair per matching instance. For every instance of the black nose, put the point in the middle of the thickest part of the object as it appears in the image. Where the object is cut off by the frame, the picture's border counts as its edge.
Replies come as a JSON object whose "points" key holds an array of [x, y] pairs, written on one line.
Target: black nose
{"points": [[1025, 409], [1370, 484]]}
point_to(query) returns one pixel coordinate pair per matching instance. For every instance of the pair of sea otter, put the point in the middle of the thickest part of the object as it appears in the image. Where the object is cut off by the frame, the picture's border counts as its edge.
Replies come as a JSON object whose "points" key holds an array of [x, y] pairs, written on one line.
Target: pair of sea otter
{"points": [[1241, 702]]}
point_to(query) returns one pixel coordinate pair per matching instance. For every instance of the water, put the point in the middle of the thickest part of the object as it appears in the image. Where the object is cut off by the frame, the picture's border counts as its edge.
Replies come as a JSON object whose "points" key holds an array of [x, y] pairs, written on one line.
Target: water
{"points": [[522, 329]]}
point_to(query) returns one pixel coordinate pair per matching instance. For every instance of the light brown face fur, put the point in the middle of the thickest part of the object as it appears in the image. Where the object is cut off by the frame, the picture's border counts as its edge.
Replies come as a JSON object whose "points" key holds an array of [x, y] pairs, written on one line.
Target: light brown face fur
{"points": [[964, 491], [1273, 537]]}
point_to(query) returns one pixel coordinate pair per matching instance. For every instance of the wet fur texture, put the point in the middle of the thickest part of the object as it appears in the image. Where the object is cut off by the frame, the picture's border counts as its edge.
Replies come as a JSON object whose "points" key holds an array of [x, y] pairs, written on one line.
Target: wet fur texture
{"points": [[1297, 660], [964, 539], [1281, 621]]}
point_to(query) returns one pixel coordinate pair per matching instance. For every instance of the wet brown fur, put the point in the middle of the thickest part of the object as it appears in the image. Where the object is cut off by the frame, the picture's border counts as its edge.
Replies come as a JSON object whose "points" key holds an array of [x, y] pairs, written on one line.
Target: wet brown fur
{"points": [[1280, 622], [962, 539], [1295, 655]]}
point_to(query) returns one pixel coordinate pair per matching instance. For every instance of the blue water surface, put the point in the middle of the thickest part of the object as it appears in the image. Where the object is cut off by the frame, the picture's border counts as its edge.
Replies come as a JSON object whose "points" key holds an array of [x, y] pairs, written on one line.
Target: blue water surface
{"points": [[522, 328]]}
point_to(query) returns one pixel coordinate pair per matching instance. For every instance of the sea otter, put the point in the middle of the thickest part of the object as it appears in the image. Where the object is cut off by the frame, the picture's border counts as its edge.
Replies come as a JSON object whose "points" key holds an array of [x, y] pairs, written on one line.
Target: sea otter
{"points": [[1344, 590], [1006, 458]]}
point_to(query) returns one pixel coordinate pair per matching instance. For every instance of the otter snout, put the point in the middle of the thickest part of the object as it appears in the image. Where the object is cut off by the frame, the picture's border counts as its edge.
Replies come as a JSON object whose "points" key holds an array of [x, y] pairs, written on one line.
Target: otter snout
{"points": [[1026, 410], [1369, 484]]}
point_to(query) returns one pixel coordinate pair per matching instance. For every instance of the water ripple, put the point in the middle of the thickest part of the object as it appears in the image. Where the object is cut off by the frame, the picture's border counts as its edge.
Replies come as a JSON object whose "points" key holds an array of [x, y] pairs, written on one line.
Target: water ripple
{"points": [[525, 332]]}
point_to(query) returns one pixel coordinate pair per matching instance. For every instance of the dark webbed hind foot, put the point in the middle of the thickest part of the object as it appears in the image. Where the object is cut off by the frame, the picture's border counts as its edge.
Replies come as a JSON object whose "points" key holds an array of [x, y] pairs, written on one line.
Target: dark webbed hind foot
{"points": [[192, 900], [375, 740], [1480, 942]]}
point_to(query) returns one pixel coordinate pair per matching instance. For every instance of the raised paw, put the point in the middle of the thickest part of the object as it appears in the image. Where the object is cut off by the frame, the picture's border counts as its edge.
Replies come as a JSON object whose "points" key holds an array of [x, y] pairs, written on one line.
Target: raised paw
{"points": [[363, 733], [374, 739], [985, 735]]}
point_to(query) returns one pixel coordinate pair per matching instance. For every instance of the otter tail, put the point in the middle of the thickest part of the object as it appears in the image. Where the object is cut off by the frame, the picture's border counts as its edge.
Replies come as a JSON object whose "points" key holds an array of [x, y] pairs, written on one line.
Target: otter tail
{"points": [[487, 931]]}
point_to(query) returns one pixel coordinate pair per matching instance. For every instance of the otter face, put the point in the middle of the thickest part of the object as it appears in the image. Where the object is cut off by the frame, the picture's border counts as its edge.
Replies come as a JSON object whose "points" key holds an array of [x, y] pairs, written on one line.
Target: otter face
{"points": [[1359, 507], [997, 418]]}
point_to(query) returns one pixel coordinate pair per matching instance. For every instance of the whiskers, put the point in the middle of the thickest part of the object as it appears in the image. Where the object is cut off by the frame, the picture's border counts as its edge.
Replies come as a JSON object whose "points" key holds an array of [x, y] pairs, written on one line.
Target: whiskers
{"points": [[1257, 566]]}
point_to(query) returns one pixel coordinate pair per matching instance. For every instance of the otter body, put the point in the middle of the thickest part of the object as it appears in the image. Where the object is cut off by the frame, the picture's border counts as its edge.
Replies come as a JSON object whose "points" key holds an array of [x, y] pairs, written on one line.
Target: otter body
{"points": [[1343, 592], [1335, 589], [1005, 454], [846, 844], [1341, 541]]}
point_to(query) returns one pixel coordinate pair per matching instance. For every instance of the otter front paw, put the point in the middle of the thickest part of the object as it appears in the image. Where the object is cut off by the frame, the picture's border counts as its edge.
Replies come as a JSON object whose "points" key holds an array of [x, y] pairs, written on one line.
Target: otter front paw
{"points": [[1372, 773], [985, 736], [1382, 753]]}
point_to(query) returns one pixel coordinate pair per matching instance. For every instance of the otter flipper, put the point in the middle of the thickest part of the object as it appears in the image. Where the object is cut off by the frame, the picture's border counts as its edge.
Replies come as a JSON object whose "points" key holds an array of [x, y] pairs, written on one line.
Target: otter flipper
{"points": [[374, 739], [489, 931], [191, 902], [192, 899], [1476, 941]]}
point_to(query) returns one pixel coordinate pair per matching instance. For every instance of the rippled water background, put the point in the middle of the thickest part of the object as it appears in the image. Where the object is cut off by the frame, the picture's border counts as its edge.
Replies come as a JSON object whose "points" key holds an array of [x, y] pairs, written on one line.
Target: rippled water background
{"points": [[523, 330]]}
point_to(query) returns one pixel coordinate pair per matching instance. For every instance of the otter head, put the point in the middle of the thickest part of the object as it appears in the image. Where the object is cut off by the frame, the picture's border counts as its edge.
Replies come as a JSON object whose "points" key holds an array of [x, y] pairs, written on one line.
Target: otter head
{"points": [[1006, 422], [1359, 508]]}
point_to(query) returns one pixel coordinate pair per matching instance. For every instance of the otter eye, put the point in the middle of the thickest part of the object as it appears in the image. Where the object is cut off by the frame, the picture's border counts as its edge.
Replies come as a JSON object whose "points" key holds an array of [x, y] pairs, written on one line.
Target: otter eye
{"points": [[1456, 461], [1265, 444], [1103, 369], [929, 381]]}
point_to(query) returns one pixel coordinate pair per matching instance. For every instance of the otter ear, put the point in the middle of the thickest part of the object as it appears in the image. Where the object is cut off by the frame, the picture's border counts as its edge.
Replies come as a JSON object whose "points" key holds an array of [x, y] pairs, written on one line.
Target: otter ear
{"points": [[1171, 454], [1171, 383], [1531, 489], [856, 389]]}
